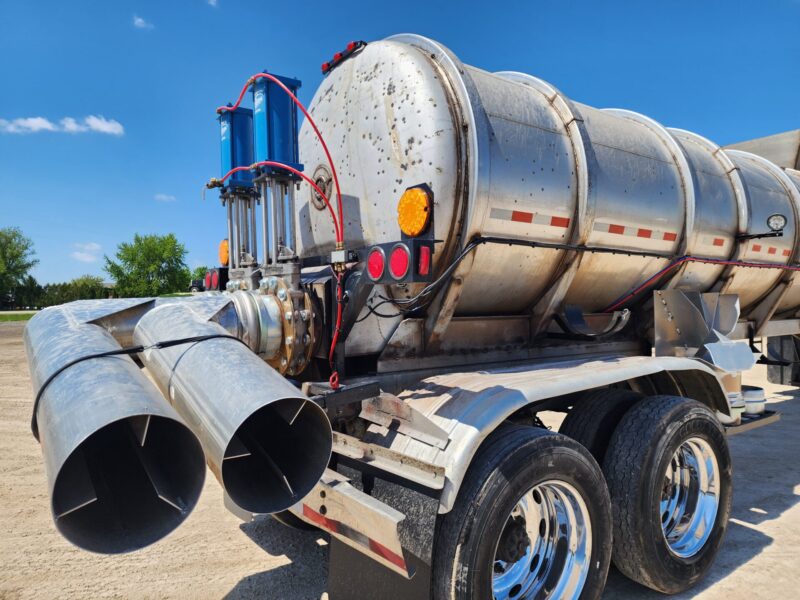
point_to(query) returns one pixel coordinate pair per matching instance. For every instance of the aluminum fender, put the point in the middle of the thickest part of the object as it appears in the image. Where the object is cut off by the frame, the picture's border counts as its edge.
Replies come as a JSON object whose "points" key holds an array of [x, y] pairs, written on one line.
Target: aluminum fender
{"points": [[469, 406]]}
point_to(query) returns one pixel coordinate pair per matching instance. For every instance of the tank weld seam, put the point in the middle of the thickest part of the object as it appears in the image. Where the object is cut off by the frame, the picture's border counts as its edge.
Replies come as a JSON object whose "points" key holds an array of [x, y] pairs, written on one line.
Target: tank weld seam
{"points": [[119, 352], [524, 124], [632, 153]]}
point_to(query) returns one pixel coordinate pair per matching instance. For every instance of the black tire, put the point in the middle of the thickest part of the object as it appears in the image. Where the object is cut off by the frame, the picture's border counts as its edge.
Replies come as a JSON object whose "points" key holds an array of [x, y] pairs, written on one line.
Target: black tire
{"points": [[635, 466], [593, 419], [509, 463]]}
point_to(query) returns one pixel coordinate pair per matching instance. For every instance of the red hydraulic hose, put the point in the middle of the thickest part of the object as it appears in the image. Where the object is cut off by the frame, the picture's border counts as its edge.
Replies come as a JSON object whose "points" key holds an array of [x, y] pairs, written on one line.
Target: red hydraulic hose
{"points": [[279, 83], [334, 379], [306, 178]]}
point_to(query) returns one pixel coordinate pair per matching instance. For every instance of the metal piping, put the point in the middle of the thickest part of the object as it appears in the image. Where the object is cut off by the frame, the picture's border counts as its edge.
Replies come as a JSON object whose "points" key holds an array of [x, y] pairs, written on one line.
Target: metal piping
{"points": [[289, 219], [231, 243], [264, 226], [266, 442], [251, 207], [123, 470], [272, 201], [236, 232]]}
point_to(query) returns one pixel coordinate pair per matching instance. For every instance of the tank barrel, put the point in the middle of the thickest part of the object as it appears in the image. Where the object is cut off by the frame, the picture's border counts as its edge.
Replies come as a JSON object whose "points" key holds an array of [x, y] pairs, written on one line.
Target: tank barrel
{"points": [[122, 468], [265, 441]]}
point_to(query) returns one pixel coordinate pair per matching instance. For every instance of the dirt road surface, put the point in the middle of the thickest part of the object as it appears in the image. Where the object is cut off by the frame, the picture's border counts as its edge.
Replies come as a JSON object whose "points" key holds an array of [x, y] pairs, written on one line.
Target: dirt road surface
{"points": [[213, 555]]}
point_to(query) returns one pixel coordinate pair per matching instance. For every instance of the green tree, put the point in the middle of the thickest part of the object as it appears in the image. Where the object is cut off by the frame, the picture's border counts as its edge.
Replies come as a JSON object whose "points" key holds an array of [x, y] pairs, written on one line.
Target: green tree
{"points": [[199, 272], [16, 259], [88, 287], [151, 265], [28, 294]]}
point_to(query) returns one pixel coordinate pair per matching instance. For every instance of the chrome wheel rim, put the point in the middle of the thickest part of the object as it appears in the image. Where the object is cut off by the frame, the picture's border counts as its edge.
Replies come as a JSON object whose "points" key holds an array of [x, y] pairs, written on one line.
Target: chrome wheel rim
{"points": [[551, 558], [690, 497]]}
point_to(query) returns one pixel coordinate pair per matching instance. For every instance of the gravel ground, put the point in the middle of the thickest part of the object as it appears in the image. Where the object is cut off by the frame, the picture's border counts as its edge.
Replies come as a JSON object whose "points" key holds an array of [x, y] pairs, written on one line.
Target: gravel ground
{"points": [[214, 555]]}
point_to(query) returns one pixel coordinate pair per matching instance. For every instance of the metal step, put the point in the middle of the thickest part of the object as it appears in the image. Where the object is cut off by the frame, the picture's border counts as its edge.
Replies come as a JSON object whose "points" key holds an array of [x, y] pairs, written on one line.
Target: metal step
{"points": [[750, 422]]}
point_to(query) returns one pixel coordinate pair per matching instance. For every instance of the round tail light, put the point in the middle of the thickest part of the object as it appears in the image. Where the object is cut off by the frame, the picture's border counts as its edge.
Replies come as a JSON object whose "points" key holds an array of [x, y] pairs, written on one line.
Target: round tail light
{"points": [[376, 263], [399, 261], [215, 280], [207, 280]]}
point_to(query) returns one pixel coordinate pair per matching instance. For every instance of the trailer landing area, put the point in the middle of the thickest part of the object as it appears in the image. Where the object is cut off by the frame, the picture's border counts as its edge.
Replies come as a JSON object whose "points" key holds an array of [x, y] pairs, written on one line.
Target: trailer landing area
{"points": [[212, 556]]}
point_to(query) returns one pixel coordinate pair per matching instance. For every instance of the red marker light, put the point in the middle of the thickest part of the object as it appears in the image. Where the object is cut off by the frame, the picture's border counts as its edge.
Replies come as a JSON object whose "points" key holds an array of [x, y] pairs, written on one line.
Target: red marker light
{"points": [[326, 67], [399, 260], [215, 280], [207, 280], [424, 265], [351, 46], [337, 57], [375, 264]]}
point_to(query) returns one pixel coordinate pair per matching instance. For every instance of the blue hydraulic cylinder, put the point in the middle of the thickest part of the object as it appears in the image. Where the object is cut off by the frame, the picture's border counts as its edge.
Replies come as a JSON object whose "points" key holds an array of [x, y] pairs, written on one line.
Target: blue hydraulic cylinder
{"points": [[236, 145], [275, 123]]}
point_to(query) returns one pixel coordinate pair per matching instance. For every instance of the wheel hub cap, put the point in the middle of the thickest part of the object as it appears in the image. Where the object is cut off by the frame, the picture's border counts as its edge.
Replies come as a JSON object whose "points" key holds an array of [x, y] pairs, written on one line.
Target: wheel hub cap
{"points": [[690, 497], [545, 547]]}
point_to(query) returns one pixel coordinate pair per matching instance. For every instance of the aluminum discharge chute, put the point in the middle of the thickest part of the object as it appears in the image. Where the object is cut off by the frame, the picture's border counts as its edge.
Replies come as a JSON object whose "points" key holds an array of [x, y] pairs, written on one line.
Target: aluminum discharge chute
{"points": [[123, 469], [265, 441]]}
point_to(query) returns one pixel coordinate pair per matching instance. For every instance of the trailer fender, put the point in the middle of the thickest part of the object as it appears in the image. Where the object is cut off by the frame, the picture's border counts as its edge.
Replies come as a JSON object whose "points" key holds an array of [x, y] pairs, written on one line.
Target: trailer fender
{"points": [[469, 406]]}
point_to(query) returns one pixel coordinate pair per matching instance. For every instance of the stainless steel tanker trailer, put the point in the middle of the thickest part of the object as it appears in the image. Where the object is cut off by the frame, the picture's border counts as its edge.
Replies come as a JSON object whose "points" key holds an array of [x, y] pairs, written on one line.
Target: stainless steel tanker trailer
{"points": [[438, 256]]}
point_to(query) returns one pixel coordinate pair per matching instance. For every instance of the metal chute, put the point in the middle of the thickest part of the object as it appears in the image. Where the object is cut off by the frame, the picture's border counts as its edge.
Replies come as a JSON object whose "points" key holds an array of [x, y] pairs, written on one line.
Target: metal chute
{"points": [[122, 468], [266, 442]]}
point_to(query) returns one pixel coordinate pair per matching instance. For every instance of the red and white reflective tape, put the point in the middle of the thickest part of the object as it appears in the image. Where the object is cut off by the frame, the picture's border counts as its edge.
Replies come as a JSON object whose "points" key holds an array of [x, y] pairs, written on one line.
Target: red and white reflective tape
{"points": [[760, 248], [640, 232], [521, 216], [359, 538]]}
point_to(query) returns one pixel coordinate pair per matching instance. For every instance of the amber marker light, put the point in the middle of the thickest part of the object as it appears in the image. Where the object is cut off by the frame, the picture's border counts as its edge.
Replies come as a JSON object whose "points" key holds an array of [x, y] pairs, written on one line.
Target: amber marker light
{"points": [[413, 211], [223, 253]]}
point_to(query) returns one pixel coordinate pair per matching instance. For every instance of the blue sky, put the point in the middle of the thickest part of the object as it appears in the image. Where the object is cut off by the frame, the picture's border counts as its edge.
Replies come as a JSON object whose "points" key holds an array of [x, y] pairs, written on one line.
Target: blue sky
{"points": [[148, 76]]}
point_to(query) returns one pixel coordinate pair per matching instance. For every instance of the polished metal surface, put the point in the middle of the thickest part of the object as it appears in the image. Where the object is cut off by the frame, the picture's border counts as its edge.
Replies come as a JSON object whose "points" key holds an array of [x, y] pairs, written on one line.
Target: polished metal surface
{"points": [[265, 441], [509, 155], [697, 325], [123, 469], [553, 545], [690, 497], [470, 405]]}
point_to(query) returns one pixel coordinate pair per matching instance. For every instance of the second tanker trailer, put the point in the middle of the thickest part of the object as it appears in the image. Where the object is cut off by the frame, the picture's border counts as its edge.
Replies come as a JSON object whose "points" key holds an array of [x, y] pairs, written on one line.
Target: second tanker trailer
{"points": [[438, 256]]}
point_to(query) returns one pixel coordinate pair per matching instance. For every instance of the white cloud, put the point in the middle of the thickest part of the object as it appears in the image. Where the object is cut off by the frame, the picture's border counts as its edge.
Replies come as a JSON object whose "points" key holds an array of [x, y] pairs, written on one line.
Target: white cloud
{"points": [[96, 123], [88, 252], [165, 198], [84, 257], [212, 3], [100, 124], [89, 247], [140, 23], [70, 125], [27, 125]]}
